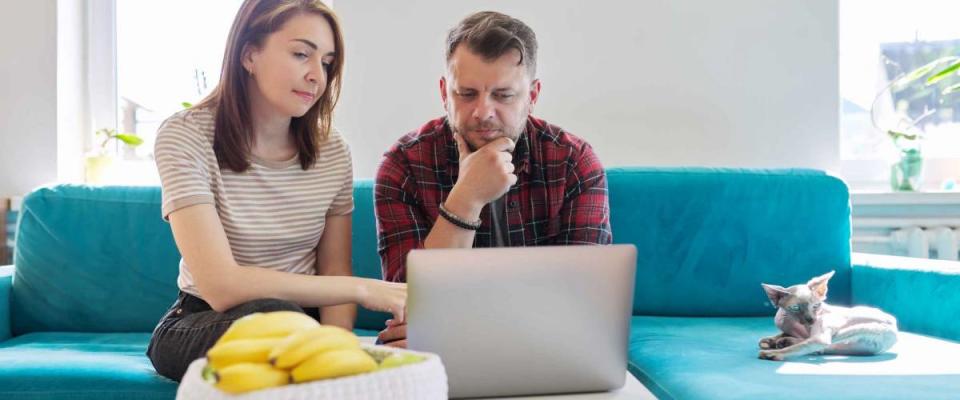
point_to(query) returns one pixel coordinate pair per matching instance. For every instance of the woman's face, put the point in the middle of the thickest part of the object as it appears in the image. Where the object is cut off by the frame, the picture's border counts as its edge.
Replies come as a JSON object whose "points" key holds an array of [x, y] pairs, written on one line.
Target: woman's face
{"points": [[288, 73]]}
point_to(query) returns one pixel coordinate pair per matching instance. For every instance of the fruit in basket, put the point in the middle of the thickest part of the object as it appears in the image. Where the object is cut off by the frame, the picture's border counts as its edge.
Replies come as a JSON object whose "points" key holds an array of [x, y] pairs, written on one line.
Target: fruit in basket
{"points": [[245, 377], [241, 350], [397, 359], [276, 324], [299, 346], [334, 364]]}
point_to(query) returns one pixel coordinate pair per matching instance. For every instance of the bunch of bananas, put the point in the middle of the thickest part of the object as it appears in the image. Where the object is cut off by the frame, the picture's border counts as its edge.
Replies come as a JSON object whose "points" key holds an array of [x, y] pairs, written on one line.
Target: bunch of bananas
{"points": [[264, 350]]}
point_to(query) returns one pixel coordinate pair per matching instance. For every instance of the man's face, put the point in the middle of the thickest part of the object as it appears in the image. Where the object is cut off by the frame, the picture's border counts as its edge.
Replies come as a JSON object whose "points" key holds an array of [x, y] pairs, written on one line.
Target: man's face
{"points": [[487, 100]]}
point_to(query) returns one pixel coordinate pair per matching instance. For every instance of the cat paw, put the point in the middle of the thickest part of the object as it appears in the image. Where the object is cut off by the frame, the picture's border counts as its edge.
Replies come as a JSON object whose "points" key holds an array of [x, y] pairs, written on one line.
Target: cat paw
{"points": [[785, 341], [771, 342], [770, 355]]}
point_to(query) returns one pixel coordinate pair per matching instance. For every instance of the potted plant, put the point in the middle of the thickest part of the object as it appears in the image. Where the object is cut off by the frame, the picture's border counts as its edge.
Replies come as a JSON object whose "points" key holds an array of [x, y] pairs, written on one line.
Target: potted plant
{"points": [[904, 130], [101, 160]]}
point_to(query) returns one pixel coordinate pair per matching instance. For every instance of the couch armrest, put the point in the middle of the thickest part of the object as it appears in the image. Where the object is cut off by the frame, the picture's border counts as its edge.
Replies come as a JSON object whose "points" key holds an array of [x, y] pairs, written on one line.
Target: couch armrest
{"points": [[6, 279], [923, 294]]}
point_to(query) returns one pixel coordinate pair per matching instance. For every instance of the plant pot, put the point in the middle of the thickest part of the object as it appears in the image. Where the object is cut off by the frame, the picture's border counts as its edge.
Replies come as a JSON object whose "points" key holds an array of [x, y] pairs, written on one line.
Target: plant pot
{"points": [[96, 168], [906, 175]]}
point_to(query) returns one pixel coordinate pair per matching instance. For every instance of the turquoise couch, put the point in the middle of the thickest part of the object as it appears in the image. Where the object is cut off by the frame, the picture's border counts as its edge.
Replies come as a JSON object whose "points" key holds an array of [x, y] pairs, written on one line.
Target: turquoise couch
{"points": [[96, 267]]}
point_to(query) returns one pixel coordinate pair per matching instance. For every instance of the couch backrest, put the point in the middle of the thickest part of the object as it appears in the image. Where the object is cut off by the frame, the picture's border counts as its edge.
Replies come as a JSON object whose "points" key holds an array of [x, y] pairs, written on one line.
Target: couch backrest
{"points": [[706, 238], [101, 259], [366, 261], [92, 259]]}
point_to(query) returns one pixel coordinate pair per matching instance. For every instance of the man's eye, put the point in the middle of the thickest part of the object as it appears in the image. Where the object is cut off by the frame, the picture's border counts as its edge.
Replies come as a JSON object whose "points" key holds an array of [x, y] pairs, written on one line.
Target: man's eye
{"points": [[466, 94], [502, 96]]}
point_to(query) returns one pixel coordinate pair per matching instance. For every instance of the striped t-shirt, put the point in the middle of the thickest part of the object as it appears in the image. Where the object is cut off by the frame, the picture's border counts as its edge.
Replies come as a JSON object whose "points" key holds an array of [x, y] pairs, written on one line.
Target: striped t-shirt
{"points": [[273, 213]]}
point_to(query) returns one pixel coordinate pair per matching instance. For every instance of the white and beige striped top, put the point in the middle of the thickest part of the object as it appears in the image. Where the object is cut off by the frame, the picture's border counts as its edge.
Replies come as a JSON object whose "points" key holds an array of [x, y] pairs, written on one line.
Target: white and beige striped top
{"points": [[273, 213]]}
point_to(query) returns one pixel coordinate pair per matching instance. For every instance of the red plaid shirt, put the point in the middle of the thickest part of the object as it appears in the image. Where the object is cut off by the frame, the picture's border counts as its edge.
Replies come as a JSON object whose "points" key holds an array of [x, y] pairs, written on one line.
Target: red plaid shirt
{"points": [[560, 196]]}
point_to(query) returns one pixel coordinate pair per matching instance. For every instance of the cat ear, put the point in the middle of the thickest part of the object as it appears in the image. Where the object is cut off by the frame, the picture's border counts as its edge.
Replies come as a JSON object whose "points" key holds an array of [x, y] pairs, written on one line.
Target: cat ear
{"points": [[775, 293], [818, 285]]}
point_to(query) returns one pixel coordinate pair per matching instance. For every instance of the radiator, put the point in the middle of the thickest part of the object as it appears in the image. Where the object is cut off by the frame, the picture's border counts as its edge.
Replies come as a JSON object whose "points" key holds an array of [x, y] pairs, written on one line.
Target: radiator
{"points": [[913, 237]]}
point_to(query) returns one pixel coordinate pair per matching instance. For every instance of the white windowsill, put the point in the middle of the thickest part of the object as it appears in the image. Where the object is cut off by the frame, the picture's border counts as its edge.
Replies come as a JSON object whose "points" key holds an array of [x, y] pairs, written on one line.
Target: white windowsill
{"points": [[859, 198]]}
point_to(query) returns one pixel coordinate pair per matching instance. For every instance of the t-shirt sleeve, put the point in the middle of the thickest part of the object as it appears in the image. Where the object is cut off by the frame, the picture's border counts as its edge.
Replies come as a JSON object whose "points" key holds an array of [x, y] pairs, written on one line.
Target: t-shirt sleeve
{"points": [[343, 203], [180, 154]]}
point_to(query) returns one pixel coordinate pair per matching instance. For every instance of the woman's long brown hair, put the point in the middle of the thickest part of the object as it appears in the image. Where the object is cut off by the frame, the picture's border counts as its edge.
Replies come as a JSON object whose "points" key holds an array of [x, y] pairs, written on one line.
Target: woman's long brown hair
{"points": [[233, 129]]}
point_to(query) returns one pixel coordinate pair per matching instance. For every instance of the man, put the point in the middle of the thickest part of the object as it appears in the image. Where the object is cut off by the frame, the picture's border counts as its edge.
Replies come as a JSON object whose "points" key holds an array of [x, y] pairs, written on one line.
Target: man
{"points": [[488, 174]]}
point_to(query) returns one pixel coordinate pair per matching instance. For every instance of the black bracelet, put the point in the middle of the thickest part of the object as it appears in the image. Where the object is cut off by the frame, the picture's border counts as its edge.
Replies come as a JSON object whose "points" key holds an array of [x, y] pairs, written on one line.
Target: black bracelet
{"points": [[460, 223]]}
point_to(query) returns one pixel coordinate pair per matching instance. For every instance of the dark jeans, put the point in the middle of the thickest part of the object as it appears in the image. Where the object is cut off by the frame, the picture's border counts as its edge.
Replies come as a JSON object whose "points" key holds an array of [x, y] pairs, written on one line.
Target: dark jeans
{"points": [[190, 327]]}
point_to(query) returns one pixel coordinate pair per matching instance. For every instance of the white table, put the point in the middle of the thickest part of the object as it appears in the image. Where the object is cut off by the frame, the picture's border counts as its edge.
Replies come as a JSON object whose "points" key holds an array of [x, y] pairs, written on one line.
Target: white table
{"points": [[632, 389]]}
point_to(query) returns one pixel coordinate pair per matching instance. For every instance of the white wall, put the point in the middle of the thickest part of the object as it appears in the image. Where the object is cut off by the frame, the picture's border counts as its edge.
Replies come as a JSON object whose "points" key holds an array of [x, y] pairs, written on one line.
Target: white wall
{"points": [[656, 82], [28, 96], [744, 83], [73, 111]]}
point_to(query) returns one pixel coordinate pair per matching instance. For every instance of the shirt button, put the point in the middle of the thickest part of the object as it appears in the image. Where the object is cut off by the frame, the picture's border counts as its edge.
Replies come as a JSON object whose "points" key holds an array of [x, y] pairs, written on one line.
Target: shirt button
{"points": [[514, 204]]}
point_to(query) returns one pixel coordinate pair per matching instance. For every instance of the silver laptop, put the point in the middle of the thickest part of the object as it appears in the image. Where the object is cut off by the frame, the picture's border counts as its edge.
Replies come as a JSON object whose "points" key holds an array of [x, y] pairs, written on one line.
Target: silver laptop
{"points": [[523, 321]]}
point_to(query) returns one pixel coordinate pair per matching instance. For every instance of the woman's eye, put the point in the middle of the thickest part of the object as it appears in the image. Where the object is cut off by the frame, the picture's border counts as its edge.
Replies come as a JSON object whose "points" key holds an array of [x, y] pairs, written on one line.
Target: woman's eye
{"points": [[300, 55]]}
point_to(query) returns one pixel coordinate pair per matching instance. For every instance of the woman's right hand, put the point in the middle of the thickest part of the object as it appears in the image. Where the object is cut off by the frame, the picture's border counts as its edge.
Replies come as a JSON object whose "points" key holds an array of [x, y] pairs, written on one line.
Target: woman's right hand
{"points": [[377, 295]]}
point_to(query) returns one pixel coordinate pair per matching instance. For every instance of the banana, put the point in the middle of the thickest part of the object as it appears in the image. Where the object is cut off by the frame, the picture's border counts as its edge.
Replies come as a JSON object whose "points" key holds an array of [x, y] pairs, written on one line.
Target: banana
{"points": [[303, 344], [334, 364], [244, 377], [241, 350], [267, 325]]}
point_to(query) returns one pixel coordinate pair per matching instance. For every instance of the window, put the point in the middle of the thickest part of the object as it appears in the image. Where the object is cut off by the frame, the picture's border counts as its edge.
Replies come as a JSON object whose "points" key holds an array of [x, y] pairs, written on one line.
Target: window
{"points": [[879, 41], [167, 53]]}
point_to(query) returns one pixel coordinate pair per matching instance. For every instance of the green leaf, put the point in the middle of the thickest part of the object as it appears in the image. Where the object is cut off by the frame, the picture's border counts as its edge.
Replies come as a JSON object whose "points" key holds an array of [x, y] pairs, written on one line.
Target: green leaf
{"points": [[129, 139], [186, 104], [897, 135], [944, 73], [951, 89], [921, 71]]}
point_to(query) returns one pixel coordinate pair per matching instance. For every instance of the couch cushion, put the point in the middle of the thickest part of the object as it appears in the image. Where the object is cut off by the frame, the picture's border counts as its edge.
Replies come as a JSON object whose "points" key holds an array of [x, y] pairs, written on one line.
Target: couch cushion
{"points": [[92, 259], [70, 365], [707, 237], [716, 358]]}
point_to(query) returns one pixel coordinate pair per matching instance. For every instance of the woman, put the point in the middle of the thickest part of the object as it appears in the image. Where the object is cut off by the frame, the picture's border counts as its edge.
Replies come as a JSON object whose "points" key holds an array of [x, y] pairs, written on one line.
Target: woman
{"points": [[258, 187]]}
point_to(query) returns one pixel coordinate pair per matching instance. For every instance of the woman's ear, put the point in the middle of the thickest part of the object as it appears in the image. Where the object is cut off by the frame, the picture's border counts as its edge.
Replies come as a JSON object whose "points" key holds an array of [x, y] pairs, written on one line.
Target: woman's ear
{"points": [[247, 57]]}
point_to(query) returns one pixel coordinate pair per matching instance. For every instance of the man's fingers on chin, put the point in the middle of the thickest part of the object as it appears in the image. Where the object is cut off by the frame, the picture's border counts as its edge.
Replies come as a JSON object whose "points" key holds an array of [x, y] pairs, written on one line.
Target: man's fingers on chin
{"points": [[508, 143]]}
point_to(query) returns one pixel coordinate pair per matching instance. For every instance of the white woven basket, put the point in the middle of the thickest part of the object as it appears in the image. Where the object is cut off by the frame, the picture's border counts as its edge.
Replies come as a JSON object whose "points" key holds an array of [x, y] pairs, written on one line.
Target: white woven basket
{"points": [[423, 380]]}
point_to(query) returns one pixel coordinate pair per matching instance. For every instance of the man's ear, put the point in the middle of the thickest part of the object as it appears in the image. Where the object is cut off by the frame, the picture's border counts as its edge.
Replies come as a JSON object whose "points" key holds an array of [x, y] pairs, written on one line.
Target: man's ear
{"points": [[443, 91], [818, 285], [534, 94], [775, 293]]}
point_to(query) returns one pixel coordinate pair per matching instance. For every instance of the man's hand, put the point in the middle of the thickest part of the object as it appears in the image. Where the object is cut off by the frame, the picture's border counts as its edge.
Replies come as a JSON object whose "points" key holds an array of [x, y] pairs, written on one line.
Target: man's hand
{"points": [[395, 335], [485, 175]]}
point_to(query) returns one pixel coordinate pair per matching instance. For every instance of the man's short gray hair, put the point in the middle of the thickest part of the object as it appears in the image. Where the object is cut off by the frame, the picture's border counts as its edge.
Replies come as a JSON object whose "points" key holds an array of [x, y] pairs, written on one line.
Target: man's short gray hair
{"points": [[491, 34]]}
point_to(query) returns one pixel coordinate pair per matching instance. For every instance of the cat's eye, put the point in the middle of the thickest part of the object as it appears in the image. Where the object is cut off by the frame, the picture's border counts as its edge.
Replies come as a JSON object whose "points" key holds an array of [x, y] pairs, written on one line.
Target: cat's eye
{"points": [[794, 308], [816, 306]]}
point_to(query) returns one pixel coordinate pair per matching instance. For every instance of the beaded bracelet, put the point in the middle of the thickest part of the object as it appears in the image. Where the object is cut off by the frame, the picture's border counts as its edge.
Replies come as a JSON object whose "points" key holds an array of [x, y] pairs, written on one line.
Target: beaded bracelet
{"points": [[459, 222]]}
